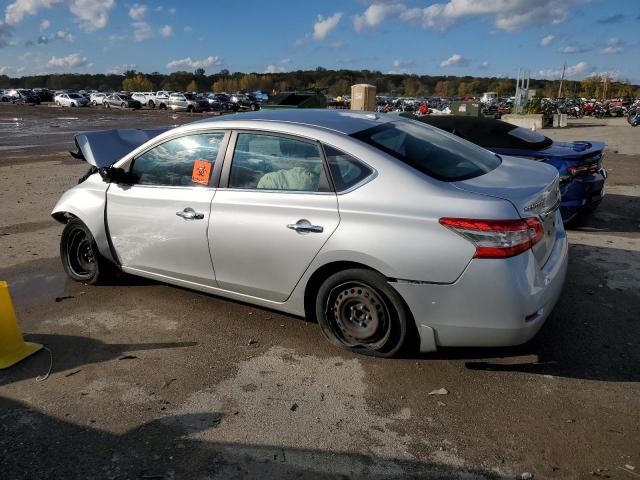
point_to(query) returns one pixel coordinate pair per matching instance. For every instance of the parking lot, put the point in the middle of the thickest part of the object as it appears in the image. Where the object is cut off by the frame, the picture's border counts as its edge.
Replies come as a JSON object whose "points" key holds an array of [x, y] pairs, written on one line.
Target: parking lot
{"points": [[158, 382]]}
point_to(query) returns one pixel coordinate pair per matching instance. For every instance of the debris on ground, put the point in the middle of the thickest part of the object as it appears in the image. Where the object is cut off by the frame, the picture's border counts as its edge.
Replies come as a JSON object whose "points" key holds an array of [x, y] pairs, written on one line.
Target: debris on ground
{"points": [[252, 342], [70, 374], [66, 297], [127, 357], [440, 391], [294, 407]]}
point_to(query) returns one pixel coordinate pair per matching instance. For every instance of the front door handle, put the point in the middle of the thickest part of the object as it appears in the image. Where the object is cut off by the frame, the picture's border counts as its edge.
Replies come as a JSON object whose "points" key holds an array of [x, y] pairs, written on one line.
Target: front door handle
{"points": [[190, 214], [305, 226]]}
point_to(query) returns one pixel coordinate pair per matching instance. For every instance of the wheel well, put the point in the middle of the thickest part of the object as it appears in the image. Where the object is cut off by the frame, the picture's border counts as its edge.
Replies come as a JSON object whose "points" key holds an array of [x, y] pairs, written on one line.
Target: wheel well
{"points": [[316, 280], [63, 217]]}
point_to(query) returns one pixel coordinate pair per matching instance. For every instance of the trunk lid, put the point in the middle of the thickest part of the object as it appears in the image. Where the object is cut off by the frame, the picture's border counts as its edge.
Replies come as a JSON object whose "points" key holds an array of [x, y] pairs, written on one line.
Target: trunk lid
{"points": [[531, 187], [104, 148]]}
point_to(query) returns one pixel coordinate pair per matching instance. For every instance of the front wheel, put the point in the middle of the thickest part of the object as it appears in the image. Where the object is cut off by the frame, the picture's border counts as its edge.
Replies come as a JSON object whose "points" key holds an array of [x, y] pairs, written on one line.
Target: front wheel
{"points": [[151, 104], [123, 105], [79, 253], [357, 309]]}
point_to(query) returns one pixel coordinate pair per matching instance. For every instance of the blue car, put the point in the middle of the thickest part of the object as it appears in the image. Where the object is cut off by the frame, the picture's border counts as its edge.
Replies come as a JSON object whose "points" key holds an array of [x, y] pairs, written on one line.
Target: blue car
{"points": [[582, 175]]}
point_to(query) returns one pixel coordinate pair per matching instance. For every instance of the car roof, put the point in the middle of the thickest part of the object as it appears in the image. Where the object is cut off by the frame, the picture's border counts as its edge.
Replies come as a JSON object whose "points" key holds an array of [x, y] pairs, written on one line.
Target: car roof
{"points": [[343, 121]]}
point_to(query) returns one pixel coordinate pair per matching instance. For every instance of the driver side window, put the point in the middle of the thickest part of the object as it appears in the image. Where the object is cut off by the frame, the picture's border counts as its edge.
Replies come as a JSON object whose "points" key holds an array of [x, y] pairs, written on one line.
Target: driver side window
{"points": [[182, 162]]}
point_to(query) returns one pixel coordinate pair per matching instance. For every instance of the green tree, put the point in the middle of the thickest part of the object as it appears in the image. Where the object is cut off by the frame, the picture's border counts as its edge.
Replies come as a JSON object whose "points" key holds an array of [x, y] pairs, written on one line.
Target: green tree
{"points": [[138, 83]]}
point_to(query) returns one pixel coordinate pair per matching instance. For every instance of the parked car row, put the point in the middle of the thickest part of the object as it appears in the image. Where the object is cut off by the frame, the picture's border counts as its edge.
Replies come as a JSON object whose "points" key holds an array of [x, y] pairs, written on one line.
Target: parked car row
{"points": [[162, 99]]}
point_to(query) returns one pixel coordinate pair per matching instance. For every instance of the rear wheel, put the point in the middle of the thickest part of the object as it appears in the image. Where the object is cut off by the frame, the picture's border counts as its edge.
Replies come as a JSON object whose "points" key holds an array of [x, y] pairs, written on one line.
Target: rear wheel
{"points": [[357, 309], [79, 253], [190, 109], [151, 104], [123, 105]]}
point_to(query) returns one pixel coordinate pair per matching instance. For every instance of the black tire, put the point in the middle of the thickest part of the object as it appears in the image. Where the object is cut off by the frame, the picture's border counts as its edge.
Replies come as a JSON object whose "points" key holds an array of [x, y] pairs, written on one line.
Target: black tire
{"points": [[106, 105], [190, 109], [123, 105], [80, 257], [163, 106], [151, 104], [358, 310]]}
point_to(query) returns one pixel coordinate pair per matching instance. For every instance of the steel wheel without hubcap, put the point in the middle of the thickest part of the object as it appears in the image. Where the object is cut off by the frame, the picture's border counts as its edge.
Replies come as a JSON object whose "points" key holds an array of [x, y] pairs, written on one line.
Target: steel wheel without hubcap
{"points": [[80, 256], [358, 315], [357, 309]]}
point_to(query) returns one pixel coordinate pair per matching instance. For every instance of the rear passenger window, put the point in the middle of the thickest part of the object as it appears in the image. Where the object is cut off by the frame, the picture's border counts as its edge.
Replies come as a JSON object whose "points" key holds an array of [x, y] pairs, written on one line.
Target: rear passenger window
{"points": [[181, 162], [345, 170], [266, 162]]}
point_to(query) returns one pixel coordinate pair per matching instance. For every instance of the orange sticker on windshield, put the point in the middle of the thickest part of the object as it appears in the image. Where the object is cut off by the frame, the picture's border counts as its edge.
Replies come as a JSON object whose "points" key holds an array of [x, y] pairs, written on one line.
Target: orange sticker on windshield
{"points": [[201, 172]]}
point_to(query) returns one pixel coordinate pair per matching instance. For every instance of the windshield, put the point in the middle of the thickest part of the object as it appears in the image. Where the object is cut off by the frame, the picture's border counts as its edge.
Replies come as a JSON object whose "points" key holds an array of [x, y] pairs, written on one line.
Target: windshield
{"points": [[190, 96], [430, 151], [74, 95]]}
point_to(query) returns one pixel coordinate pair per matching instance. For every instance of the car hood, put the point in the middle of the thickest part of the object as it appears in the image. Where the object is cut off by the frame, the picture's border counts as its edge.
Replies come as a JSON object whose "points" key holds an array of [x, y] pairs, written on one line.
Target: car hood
{"points": [[104, 148]]}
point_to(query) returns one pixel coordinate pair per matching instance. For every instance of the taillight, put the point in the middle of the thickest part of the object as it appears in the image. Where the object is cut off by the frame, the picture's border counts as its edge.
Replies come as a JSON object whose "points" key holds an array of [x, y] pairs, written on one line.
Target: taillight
{"points": [[584, 169], [497, 238]]}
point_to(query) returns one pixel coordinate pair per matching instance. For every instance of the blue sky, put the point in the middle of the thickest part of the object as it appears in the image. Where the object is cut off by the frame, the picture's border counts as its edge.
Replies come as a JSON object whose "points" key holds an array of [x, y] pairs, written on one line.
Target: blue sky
{"points": [[434, 37]]}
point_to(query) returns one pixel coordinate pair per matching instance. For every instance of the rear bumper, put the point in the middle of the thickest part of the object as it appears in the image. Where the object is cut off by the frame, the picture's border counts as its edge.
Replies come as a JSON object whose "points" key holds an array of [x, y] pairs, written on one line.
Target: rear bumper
{"points": [[581, 193], [494, 302]]}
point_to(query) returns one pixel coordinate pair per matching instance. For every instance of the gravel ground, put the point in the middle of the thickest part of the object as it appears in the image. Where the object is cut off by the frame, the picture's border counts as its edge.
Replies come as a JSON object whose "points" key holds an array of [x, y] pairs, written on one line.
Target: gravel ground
{"points": [[151, 381]]}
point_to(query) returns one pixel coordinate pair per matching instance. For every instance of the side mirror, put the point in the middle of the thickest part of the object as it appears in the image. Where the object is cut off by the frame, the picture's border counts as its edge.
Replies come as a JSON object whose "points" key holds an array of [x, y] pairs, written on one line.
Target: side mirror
{"points": [[116, 175]]}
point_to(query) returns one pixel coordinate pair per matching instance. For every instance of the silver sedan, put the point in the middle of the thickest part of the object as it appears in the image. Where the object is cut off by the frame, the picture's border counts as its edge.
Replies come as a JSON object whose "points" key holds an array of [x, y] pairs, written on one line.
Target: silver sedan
{"points": [[389, 233]]}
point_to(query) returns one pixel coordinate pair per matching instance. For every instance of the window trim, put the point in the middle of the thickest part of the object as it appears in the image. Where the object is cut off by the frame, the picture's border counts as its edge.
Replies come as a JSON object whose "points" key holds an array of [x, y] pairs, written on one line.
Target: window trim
{"points": [[217, 163], [372, 176], [325, 186]]}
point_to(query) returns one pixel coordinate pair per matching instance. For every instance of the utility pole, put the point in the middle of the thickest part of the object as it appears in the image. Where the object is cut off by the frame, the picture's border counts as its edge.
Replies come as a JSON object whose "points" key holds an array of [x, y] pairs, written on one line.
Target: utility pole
{"points": [[564, 66]]}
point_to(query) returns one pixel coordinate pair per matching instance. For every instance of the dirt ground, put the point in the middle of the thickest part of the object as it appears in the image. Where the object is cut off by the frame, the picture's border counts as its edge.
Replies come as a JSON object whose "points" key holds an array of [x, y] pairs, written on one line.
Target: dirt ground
{"points": [[151, 381]]}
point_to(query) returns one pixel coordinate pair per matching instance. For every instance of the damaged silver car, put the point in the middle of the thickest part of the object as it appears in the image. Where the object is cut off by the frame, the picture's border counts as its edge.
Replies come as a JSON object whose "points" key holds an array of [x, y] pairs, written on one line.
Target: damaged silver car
{"points": [[390, 233]]}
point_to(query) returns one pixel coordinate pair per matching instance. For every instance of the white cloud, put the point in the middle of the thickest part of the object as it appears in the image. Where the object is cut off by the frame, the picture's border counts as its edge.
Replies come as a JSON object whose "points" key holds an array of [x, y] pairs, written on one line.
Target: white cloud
{"points": [[546, 41], [210, 61], [44, 24], [92, 14], [375, 14], [484, 65], [188, 29], [172, 11], [59, 35], [120, 69], [73, 60], [580, 68], [571, 49], [16, 11], [614, 45], [273, 69], [323, 26], [166, 31], [455, 60], [401, 66], [141, 31], [509, 15], [138, 11], [4, 69]]}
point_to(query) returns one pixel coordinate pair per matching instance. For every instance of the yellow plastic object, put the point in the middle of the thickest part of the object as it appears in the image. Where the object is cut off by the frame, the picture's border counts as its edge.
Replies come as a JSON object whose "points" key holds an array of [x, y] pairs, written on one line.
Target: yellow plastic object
{"points": [[12, 347]]}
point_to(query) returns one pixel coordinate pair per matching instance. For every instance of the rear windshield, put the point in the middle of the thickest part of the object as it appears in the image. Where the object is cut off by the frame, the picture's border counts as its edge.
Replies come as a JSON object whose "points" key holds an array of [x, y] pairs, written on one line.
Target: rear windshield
{"points": [[430, 150]]}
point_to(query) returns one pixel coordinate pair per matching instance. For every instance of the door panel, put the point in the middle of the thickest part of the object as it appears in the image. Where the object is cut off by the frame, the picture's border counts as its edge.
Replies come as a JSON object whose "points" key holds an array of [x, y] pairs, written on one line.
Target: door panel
{"points": [[148, 235], [253, 250]]}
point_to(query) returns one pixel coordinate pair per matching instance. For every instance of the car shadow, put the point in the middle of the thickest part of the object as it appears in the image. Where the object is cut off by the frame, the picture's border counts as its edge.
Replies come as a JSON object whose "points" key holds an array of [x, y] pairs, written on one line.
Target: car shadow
{"points": [[70, 352], [37, 445], [593, 331], [616, 213]]}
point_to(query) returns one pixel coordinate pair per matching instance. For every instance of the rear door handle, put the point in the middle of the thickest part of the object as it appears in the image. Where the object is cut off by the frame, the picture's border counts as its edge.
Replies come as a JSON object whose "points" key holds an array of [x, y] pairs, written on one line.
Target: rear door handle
{"points": [[190, 214], [305, 226]]}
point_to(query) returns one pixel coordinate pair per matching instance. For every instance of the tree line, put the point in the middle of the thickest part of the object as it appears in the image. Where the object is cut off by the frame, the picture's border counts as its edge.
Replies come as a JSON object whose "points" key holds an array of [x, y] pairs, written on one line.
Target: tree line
{"points": [[337, 82]]}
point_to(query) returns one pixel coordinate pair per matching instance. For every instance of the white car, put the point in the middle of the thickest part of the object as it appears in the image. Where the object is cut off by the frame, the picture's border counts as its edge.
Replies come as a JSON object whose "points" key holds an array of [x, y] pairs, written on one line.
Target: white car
{"points": [[71, 100], [97, 98]]}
